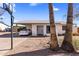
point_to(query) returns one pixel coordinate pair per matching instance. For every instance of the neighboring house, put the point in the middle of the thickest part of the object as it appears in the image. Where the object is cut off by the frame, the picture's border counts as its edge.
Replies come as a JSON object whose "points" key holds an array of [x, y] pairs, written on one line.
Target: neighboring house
{"points": [[41, 27], [3, 26]]}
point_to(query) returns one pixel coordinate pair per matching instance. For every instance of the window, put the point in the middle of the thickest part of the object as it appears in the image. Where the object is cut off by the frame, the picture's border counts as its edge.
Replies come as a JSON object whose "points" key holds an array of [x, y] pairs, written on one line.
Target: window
{"points": [[63, 27], [47, 29]]}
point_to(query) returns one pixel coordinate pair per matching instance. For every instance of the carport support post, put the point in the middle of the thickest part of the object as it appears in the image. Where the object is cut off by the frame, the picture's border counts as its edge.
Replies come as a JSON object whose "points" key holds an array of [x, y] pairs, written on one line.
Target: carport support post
{"points": [[16, 30]]}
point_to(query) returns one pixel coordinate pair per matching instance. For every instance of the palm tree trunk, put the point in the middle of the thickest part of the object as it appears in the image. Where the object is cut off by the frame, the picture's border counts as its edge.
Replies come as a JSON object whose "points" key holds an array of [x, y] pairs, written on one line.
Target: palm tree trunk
{"points": [[54, 42], [67, 43]]}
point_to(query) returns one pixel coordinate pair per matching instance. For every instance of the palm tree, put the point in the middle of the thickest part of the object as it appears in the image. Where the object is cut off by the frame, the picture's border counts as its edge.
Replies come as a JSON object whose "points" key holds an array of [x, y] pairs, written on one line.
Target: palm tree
{"points": [[67, 43], [54, 42]]}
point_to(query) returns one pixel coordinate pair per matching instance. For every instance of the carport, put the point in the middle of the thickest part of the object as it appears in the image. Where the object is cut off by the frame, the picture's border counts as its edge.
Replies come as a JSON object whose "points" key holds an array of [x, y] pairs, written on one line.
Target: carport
{"points": [[17, 26], [37, 27]]}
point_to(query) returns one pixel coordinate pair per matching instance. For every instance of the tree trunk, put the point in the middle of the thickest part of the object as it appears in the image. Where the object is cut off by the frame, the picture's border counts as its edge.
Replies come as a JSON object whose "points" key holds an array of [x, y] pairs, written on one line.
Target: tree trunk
{"points": [[54, 42], [67, 43]]}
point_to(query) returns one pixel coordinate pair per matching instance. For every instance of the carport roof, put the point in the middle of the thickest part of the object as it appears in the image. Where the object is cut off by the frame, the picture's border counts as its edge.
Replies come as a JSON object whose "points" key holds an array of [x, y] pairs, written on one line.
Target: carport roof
{"points": [[32, 21], [36, 22]]}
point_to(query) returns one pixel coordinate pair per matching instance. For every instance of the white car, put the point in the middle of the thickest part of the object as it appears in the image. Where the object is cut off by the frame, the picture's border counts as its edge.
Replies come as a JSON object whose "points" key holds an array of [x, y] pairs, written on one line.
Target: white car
{"points": [[23, 32]]}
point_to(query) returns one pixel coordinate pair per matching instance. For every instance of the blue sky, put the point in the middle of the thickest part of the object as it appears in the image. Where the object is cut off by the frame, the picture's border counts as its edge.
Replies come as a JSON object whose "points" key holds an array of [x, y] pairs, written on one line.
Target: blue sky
{"points": [[30, 11], [38, 11]]}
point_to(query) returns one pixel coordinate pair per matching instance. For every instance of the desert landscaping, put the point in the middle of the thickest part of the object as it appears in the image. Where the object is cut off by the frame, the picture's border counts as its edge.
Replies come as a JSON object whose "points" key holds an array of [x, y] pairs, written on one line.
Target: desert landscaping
{"points": [[32, 46]]}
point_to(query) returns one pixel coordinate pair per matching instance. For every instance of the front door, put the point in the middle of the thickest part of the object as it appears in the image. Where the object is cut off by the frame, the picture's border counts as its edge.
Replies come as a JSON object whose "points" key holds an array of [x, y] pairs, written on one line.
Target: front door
{"points": [[40, 30]]}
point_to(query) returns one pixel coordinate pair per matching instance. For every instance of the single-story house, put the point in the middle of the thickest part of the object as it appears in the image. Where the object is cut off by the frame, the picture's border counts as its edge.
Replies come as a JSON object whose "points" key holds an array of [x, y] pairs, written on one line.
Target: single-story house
{"points": [[3, 26], [41, 27]]}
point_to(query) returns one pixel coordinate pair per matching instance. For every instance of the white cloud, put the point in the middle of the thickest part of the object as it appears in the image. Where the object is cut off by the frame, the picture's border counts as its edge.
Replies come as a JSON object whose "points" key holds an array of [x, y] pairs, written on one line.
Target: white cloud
{"points": [[33, 4], [56, 9]]}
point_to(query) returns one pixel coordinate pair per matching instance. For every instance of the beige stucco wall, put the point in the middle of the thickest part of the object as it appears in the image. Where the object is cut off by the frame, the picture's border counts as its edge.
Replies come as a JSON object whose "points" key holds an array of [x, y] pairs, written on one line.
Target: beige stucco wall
{"points": [[59, 29], [34, 29]]}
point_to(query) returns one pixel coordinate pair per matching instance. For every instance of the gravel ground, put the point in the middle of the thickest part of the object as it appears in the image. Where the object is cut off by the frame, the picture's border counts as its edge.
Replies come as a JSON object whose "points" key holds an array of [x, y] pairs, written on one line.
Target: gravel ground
{"points": [[33, 46], [37, 47]]}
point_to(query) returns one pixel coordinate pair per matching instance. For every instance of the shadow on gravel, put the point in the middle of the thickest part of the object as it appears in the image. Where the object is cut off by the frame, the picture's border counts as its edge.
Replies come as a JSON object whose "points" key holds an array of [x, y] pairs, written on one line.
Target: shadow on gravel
{"points": [[45, 52]]}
